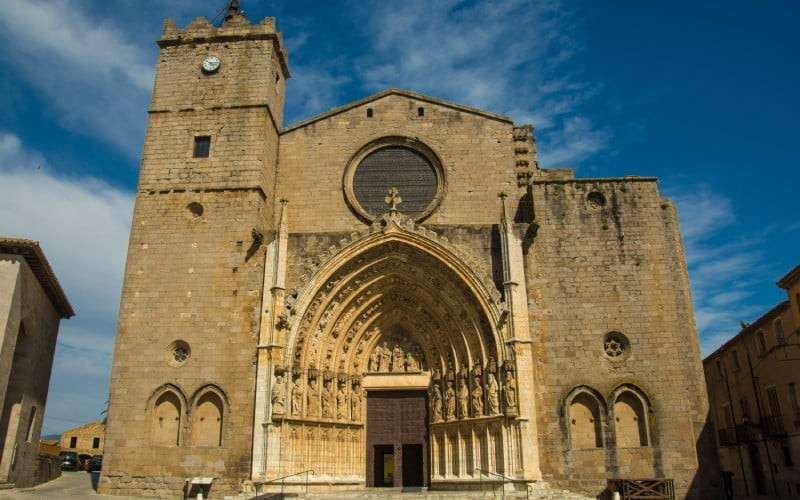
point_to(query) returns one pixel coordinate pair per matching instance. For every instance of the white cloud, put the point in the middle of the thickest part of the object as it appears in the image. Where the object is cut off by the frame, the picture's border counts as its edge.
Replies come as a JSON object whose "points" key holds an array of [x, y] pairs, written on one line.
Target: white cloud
{"points": [[721, 274], [311, 90], [575, 139], [96, 80], [82, 226], [510, 57]]}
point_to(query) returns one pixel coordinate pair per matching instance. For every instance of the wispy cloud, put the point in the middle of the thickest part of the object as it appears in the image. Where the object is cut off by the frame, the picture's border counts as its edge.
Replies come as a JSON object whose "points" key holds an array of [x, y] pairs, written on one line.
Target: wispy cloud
{"points": [[82, 225], [96, 80], [510, 57], [721, 274]]}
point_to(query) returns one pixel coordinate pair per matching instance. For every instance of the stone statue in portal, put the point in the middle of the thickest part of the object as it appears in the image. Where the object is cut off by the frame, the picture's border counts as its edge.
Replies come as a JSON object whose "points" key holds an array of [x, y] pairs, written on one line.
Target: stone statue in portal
{"points": [[312, 398], [341, 401], [492, 395], [297, 396], [327, 399], [385, 357], [412, 361], [477, 399], [279, 396], [436, 402], [355, 402], [398, 359], [463, 398], [450, 401], [510, 390], [374, 361]]}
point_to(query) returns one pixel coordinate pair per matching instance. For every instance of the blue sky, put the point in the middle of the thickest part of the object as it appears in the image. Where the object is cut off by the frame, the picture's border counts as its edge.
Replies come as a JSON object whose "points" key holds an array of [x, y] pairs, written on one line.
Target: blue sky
{"points": [[702, 95]]}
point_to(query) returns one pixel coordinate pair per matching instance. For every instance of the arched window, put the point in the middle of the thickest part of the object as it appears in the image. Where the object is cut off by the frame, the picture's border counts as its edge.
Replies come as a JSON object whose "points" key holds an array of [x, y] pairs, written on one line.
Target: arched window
{"points": [[585, 429], [630, 420], [167, 413], [207, 420]]}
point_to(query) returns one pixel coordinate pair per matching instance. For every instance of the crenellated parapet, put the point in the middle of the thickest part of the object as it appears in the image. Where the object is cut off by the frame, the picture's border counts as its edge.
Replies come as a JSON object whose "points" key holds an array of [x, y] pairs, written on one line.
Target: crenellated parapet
{"points": [[238, 28]]}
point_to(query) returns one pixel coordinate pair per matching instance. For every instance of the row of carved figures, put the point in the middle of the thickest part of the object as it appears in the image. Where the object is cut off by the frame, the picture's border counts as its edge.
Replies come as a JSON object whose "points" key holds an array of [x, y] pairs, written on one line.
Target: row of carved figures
{"points": [[483, 396], [399, 358], [338, 398], [341, 397]]}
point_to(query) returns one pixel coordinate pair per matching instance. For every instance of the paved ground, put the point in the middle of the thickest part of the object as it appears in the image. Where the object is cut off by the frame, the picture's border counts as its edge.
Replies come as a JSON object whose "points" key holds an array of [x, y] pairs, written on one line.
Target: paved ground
{"points": [[70, 485]]}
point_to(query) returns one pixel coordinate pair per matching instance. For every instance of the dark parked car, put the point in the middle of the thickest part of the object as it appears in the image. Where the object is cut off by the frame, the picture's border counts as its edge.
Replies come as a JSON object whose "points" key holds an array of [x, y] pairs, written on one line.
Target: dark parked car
{"points": [[95, 463], [69, 460]]}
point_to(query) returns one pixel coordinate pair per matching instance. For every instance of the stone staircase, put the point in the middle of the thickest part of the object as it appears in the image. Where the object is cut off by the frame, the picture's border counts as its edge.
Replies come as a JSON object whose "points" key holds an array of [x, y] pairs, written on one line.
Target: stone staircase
{"points": [[537, 492]]}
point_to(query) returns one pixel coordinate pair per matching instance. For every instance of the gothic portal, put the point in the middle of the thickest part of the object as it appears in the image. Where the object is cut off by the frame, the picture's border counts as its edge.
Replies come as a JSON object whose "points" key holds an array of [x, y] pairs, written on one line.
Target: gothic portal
{"points": [[392, 293]]}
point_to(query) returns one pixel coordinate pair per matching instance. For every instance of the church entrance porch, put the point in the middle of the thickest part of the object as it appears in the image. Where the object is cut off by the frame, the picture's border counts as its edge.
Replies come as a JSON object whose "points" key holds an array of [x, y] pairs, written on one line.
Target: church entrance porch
{"points": [[394, 365], [397, 439]]}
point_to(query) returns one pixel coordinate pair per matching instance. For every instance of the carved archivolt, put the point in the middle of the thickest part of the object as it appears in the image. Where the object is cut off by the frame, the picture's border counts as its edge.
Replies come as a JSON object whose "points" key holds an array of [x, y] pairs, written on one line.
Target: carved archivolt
{"points": [[396, 300]]}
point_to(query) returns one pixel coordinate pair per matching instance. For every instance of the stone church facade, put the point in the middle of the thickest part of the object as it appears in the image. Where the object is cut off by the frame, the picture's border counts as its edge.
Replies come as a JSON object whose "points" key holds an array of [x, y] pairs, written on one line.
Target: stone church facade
{"points": [[392, 293]]}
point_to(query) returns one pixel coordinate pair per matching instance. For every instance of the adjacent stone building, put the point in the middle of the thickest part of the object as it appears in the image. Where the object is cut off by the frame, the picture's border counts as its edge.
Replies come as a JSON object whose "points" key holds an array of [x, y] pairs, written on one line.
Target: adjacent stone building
{"points": [[86, 440], [755, 401], [392, 293], [32, 304]]}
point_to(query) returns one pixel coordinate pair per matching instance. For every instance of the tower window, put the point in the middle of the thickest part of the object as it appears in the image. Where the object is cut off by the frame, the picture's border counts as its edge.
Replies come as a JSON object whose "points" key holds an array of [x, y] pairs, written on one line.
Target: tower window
{"points": [[420, 111], [202, 146], [369, 112]]}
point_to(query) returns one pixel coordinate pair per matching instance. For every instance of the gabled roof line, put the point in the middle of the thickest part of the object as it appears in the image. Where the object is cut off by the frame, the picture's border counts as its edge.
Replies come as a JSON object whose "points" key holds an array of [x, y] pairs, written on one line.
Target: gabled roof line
{"points": [[751, 328], [400, 92], [790, 278]]}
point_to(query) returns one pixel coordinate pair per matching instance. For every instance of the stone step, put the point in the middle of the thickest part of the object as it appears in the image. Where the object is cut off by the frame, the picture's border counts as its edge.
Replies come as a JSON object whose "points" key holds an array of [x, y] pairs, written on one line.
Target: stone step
{"points": [[537, 493]]}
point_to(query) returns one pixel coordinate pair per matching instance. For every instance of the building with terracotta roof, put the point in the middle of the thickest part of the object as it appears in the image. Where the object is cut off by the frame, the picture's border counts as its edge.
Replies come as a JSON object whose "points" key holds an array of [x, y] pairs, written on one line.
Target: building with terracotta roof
{"points": [[32, 305]]}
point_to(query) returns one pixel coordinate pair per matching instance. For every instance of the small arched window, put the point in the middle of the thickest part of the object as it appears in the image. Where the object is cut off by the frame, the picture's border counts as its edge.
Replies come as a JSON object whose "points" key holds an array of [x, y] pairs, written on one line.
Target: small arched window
{"points": [[167, 413], [207, 420], [630, 420], [585, 421]]}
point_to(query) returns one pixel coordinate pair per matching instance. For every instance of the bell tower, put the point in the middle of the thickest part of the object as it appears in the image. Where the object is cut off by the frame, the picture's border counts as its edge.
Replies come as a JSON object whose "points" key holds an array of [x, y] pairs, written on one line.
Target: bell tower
{"points": [[183, 375]]}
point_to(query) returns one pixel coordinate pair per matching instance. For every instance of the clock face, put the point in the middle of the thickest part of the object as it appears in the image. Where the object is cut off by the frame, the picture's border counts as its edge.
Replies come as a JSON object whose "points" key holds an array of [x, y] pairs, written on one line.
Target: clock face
{"points": [[211, 64]]}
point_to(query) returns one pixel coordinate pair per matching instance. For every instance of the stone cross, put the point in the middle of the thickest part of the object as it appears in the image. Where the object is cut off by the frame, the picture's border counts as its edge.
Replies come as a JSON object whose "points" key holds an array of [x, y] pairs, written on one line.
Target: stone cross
{"points": [[393, 199]]}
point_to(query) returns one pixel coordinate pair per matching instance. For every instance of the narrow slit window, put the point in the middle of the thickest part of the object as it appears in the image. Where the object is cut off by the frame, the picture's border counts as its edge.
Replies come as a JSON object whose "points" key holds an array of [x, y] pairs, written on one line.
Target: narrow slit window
{"points": [[369, 112], [202, 146]]}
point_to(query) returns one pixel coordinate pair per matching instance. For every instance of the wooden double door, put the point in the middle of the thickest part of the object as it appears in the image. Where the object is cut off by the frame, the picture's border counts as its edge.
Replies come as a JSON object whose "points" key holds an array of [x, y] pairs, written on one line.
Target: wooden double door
{"points": [[397, 439]]}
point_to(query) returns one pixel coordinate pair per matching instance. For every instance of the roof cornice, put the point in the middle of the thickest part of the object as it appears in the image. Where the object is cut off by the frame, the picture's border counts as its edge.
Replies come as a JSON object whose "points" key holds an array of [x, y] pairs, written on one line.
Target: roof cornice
{"points": [[398, 92], [33, 255], [790, 278]]}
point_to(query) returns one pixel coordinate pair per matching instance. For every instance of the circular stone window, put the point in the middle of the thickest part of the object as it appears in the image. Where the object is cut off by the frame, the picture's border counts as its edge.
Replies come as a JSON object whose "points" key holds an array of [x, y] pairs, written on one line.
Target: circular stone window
{"points": [[178, 352], [195, 209], [409, 170], [616, 346], [596, 200]]}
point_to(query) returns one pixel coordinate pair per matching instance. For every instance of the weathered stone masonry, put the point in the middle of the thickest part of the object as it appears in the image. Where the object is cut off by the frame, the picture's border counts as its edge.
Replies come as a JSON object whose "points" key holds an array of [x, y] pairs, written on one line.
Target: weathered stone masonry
{"points": [[539, 326]]}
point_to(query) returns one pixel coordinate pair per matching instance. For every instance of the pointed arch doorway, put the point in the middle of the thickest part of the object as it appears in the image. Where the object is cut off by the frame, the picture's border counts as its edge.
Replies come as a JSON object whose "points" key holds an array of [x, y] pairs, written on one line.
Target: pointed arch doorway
{"points": [[394, 367]]}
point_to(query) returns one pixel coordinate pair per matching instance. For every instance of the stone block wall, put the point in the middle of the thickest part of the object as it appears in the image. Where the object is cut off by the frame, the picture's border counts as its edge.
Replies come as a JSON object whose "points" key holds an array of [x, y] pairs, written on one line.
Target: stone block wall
{"points": [[477, 155], [29, 331], [193, 281], [607, 257], [243, 151]]}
